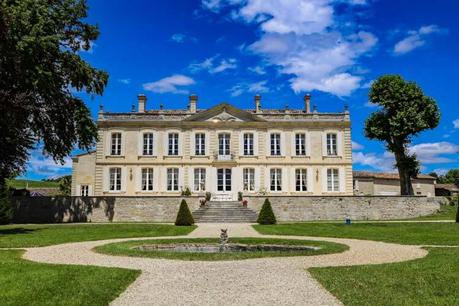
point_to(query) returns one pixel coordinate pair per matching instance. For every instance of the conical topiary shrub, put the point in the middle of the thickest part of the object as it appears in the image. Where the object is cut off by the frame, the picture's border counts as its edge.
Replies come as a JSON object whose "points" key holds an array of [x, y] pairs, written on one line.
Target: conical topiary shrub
{"points": [[266, 215], [184, 216]]}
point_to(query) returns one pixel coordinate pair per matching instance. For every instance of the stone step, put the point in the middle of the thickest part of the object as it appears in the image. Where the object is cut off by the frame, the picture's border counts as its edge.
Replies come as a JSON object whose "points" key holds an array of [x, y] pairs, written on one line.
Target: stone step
{"points": [[224, 211]]}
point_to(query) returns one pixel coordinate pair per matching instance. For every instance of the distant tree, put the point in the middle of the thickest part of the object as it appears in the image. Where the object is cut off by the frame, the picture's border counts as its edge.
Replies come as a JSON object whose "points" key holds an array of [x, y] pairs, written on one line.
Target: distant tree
{"points": [[405, 112], [65, 185], [450, 177], [40, 69], [434, 174]]}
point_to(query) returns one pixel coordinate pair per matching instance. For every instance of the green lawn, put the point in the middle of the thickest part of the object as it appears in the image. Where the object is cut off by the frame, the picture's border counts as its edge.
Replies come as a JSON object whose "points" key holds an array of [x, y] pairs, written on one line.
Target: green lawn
{"points": [[12, 236], [126, 249], [27, 283], [31, 184], [433, 280], [403, 233]]}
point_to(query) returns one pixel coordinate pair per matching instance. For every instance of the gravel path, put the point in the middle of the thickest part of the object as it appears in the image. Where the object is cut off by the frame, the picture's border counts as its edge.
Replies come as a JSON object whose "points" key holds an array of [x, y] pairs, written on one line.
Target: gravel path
{"points": [[262, 281]]}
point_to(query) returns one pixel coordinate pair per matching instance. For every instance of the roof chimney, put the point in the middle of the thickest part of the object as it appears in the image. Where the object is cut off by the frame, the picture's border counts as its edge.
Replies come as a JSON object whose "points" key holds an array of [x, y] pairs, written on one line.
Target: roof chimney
{"points": [[257, 99], [193, 103], [307, 103], [142, 103]]}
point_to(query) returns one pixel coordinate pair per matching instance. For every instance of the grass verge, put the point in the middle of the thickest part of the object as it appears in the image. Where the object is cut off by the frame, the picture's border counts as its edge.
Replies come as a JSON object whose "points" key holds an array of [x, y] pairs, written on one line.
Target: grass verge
{"points": [[446, 212], [27, 283], [14, 236], [125, 249], [433, 280], [403, 233]]}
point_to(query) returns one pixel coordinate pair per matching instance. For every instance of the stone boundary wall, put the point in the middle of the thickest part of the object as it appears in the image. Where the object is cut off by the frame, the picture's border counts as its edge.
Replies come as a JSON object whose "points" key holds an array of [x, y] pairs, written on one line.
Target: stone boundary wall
{"points": [[164, 209]]}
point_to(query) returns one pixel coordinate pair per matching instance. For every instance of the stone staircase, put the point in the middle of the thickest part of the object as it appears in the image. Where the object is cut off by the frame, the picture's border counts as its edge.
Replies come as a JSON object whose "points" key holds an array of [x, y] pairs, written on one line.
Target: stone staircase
{"points": [[224, 212]]}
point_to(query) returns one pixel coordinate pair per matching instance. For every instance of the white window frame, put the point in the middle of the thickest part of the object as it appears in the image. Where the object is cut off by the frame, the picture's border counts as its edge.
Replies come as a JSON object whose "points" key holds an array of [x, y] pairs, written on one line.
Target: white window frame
{"points": [[275, 144], [172, 179], [84, 190], [275, 179], [199, 177], [173, 139], [224, 148], [248, 141], [148, 144], [301, 144], [200, 144], [333, 180], [147, 179], [116, 143], [248, 179], [115, 179], [301, 180], [332, 144]]}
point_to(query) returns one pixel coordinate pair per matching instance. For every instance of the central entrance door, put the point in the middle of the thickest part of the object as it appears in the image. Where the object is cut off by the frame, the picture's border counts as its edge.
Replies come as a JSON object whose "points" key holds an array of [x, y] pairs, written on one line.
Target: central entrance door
{"points": [[224, 184]]}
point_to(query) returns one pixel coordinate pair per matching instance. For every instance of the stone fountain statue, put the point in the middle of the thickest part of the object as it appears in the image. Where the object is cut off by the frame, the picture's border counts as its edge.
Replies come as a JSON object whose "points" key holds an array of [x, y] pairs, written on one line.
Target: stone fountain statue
{"points": [[223, 239]]}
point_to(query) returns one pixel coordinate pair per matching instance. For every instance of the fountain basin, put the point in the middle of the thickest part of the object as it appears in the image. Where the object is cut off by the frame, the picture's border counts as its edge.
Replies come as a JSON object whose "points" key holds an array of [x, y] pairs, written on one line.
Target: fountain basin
{"points": [[228, 248]]}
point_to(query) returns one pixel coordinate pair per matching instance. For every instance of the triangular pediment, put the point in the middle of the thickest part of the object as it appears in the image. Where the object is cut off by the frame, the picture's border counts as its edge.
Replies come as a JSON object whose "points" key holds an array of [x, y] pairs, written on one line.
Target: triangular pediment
{"points": [[224, 112]]}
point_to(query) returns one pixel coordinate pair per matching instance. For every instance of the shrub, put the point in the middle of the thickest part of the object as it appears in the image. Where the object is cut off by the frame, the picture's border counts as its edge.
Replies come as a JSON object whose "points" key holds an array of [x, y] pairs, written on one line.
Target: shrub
{"points": [[266, 215], [186, 192], [184, 216], [6, 211], [208, 196], [239, 196]]}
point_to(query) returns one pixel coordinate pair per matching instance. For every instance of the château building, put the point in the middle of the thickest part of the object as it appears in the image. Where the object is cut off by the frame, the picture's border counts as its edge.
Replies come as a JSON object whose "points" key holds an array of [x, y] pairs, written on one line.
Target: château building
{"points": [[222, 150]]}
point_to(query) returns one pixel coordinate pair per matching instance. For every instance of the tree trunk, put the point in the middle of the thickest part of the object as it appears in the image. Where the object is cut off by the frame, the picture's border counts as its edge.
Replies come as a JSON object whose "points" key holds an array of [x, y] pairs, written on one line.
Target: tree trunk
{"points": [[406, 188]]}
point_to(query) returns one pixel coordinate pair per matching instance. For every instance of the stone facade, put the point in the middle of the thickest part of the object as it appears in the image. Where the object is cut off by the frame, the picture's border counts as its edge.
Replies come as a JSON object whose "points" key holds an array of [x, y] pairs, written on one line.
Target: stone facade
{"points": [[164, 209], [222, 150]]}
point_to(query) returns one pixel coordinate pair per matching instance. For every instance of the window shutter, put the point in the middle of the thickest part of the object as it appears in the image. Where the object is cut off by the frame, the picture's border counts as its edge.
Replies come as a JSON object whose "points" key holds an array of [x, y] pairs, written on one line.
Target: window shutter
{"points": [[340, 143]]}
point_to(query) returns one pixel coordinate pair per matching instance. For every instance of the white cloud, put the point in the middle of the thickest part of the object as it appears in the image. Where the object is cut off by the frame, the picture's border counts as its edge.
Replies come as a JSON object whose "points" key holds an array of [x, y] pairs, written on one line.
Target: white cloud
{"points": [[124, 81], [257, 87], [381, 162], [212, 65], [415, 39], [433, 153], [257, 69], [171, 84], [178, 37], [302, 39], [356, 146], [456, 123], [370, 104]]}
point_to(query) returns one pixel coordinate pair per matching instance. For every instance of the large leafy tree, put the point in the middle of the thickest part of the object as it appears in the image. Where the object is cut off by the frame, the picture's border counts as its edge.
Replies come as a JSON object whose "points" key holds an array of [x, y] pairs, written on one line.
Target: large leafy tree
{"points": [[404, 112], [40, 69]]}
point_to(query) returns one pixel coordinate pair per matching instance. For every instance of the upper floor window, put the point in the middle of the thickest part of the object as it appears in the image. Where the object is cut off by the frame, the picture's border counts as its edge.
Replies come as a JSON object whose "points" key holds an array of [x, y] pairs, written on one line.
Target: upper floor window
{"points": [[115, 179], [200, 144], [332, 147], [147, 179], [173, 144], [172, 179], [148, 144], [300, 144], [276, 179], [275, 144], [200, 179], [116, 144], [332, 180], [248, 179], [224, 144], [301, 180], [84, 190], [248, 144]]}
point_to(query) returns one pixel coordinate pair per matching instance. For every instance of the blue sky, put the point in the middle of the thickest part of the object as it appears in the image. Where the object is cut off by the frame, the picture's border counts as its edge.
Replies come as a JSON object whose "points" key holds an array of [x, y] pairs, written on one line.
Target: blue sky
{"points": [[231, 50]]}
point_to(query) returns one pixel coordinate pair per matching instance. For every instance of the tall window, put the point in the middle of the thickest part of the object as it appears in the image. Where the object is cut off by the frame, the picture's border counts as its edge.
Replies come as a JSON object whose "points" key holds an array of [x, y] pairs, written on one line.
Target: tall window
{"points": [[276, 179], [249, 179], [172, 179], [148, 144], [200, 144], [173, 143], [301, 180], [147, 179], [248, 144], [300, 144], [115, 179], [275, 144], [331, 144], [224, 144], [116, 144], [332, 180], [200, 179], [84, 190]]}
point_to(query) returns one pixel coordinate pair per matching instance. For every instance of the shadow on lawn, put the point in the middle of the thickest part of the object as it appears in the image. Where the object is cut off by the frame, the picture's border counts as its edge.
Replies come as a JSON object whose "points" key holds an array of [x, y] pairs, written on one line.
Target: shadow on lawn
{"points": [[14, 231]]}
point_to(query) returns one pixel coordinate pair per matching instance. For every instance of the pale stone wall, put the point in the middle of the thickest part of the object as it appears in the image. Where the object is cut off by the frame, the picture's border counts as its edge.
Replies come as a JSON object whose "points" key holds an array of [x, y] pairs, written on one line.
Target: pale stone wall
{"points": [[83, 173], [164, 209], [379, 186]]}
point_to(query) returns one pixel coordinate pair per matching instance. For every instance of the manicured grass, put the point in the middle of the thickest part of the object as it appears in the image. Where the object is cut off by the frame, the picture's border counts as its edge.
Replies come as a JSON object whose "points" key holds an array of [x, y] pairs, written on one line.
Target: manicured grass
{"points": [[433, 280], [12, 236], [404, 233], [27, 283], [31, 184], [125, 249], [447, 212]]}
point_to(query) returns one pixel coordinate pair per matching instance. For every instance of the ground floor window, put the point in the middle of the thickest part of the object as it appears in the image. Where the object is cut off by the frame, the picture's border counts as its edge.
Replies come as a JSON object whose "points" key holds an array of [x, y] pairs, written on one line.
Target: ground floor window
{"points": [[301, 180], [115, 179], [172, 179], [200, 179], [276, 179], [84, 190], [332, 180], [249, 179], [147, 179]]}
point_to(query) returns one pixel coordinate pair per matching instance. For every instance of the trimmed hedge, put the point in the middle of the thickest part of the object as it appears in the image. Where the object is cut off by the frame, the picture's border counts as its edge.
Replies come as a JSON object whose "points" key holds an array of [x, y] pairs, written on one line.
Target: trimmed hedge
{"points": [[184, 216], [266, 215]]}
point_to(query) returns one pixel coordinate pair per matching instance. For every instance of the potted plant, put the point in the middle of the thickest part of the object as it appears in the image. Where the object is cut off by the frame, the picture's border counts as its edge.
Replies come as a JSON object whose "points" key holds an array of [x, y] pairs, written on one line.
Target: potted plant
{"points": [[239, 196], [244, 203], [202, 202]]}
